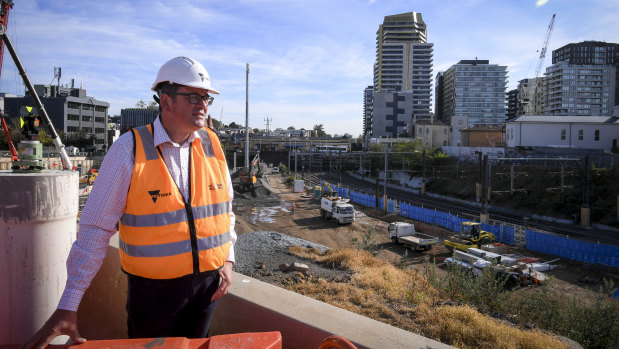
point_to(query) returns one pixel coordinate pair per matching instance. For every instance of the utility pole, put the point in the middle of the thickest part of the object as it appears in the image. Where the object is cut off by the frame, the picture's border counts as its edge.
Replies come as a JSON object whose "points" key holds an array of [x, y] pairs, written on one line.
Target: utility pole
{"points": [[483, 217], [585, 210], [386, 175], [478, 185], [247, 116]]}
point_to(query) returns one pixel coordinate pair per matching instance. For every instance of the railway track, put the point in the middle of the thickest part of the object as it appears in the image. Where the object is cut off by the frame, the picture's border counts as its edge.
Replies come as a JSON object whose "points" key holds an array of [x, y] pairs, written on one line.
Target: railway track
{"points": [[471, 211]]}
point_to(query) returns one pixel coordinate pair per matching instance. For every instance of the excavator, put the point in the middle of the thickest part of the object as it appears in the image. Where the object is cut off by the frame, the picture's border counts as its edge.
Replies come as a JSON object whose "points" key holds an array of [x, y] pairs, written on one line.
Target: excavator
{"points": [[248, 175], [470, 235]]}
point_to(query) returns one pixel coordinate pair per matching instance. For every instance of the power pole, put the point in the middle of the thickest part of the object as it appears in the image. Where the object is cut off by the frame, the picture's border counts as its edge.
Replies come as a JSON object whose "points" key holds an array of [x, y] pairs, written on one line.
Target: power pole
{"points": [[585, 210], [483, 217], [247, 116], [386, 175]]}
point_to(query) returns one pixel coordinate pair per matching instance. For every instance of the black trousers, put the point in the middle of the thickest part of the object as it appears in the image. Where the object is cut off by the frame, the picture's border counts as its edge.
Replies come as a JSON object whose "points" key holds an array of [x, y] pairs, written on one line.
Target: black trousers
{"points": [[171, 308]]}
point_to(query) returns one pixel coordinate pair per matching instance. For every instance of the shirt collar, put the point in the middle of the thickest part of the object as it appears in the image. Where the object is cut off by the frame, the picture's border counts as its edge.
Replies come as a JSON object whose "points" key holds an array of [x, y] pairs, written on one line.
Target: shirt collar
{"points": [[161, 136]]}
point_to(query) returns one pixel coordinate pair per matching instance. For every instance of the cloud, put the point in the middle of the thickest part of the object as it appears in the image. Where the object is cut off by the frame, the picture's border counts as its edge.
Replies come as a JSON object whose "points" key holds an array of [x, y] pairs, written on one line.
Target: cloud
{"points": [[541, 3]]}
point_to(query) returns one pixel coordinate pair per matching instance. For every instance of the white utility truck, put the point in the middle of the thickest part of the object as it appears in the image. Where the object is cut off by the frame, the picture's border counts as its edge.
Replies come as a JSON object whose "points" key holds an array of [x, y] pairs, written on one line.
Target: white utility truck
{"points": [[338, 209], [404, 233]]}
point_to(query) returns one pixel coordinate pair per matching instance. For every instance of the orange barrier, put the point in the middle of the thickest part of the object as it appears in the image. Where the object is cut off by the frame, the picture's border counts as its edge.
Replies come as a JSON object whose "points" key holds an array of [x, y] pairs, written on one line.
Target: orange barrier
{"points": [[257, 340], [336, 342]]}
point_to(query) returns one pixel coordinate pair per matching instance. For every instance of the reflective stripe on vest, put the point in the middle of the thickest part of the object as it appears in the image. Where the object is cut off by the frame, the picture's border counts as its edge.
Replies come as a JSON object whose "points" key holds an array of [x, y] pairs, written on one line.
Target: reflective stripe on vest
{"points": [[162, 237], [178, 216], [173, 248]]}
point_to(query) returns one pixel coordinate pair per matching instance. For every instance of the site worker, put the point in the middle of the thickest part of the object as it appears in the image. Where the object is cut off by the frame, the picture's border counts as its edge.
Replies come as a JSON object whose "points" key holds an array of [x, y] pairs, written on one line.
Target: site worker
{"points": [[168, 187]]}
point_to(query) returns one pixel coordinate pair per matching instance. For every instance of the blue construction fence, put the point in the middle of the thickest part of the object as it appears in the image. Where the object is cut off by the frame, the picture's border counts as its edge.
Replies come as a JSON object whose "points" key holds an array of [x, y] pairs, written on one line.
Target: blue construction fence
{"points": [[573, 249], [535, 241]]}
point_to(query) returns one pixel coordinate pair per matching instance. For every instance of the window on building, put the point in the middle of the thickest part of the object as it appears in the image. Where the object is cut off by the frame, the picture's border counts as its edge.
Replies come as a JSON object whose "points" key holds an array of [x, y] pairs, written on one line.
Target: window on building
{"points": [[73, 117], [86, 117], [563, 134], [581, 135], [596, 136]]}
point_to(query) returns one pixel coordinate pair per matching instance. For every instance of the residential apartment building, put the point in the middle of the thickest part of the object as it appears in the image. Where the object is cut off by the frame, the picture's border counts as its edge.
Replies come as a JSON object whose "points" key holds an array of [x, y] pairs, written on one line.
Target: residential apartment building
{"points": [[368, 96], [134, 117], [402, 75], [438, 96], [474, 93], [583, 79], [70, 110], [512, 104]]}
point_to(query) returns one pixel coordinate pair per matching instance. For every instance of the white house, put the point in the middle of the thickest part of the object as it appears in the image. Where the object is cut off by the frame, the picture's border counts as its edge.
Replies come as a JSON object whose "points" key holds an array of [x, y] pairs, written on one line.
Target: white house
{"points": [[580, 132]]}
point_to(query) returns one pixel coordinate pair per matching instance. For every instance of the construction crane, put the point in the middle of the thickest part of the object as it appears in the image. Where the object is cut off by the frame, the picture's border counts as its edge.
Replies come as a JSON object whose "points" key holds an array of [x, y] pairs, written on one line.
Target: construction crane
{"points": [[531, 88]]}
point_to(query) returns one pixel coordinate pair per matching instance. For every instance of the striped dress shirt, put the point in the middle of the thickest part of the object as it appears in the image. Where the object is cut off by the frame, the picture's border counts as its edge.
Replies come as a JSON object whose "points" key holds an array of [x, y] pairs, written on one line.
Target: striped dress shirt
{"points": [[106, 204]]}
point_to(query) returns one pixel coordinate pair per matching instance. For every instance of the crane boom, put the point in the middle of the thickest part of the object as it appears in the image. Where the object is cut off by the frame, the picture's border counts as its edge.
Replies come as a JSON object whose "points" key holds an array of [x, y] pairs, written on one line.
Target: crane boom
{"points": [[542, 53], [5, 8], [525, 99]]}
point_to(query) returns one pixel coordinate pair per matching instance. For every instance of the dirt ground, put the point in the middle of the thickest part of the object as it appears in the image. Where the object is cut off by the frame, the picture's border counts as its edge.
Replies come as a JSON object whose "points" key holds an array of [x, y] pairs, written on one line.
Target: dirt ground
{"points": [[569, 277]]}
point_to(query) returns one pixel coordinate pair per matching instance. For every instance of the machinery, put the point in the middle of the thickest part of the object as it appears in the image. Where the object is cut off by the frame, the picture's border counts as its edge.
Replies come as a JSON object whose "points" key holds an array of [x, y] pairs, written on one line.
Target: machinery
{"points": [[247, 176], [404, 233], [470, 235], [338, 209], [29, 157]]}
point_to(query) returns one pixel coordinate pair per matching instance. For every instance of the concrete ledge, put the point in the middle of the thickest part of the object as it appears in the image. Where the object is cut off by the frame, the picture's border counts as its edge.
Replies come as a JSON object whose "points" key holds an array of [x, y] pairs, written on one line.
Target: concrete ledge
{"points": [[255, 306]]}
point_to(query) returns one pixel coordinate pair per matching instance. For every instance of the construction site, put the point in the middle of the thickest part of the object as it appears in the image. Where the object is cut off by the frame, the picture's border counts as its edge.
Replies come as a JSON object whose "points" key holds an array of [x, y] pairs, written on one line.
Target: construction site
{"points": [[278, 209]]}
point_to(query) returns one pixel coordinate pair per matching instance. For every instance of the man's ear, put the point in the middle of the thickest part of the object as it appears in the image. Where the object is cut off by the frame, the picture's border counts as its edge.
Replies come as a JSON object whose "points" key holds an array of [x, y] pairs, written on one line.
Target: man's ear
{"points": [[164, 102]]}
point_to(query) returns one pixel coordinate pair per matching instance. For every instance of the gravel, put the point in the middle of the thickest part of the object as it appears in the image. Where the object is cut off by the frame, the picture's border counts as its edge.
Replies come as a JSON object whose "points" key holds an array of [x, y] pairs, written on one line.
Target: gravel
{"points": [[259, 254]]}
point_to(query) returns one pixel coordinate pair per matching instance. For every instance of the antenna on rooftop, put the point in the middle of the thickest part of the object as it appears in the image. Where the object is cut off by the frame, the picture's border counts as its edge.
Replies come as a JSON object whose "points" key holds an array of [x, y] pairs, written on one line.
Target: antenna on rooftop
{"points": [[57, 75]]}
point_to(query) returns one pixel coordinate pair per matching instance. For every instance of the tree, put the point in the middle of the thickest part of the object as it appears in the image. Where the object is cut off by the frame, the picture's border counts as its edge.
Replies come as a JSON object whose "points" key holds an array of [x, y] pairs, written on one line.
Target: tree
{"points": [[357, 144], [234, 125], [45, 139], [319, 131], [141, 104], [290, 128]]}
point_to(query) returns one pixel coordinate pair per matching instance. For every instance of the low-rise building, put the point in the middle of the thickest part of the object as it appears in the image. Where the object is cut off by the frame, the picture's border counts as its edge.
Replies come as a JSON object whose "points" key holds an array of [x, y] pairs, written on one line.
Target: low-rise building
{"points": [[578, 132], [435, 133], [482, 136]]}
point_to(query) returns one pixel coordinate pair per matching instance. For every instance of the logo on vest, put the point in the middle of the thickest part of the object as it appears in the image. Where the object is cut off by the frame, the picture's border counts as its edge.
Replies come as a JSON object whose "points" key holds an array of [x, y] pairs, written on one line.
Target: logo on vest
{"points": [[155, 194], [217, 186]]}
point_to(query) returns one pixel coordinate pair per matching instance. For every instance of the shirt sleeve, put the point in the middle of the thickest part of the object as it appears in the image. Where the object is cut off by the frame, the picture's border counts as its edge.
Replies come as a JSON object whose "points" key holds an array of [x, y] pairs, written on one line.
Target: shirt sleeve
{"points": [[106, 204]]}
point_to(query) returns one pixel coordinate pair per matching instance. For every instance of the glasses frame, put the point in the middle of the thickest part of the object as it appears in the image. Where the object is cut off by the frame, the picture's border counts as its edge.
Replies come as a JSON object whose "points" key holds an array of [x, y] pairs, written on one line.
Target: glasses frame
{"points": [[195, 98]]}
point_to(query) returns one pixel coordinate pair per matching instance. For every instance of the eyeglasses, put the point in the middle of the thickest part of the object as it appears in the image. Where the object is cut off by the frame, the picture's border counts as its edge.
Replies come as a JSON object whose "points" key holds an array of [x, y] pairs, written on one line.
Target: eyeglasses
{"points": [[195, 98]]}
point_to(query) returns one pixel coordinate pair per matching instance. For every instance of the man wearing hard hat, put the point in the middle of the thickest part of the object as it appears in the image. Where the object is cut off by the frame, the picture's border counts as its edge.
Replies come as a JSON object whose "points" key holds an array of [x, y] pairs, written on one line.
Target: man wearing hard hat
{"points": [[168, 187]]}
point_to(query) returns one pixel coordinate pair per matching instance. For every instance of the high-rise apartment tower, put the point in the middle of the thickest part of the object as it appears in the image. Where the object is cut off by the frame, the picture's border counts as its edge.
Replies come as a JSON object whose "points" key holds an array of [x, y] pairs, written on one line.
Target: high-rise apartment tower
{"points": [[402, 74]]}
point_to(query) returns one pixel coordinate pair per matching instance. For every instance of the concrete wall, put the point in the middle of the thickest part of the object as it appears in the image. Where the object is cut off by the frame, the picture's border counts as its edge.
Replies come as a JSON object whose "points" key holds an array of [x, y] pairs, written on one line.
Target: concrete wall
{"points": [[250, 306]]}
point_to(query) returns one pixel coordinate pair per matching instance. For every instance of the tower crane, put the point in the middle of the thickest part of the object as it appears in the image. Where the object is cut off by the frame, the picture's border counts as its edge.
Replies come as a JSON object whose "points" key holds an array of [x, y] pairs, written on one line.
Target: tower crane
{"points": [[530, 89]]}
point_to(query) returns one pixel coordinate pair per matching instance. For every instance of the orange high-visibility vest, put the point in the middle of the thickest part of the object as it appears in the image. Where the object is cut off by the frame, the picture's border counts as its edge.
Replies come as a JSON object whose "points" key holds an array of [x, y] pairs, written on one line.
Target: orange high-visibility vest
{"points": [[162, 237]]}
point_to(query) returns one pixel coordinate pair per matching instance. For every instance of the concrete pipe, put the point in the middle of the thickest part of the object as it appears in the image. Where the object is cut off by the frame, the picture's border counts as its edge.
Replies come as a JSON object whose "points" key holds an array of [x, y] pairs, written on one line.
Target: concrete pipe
{"points": [[38, 214]]}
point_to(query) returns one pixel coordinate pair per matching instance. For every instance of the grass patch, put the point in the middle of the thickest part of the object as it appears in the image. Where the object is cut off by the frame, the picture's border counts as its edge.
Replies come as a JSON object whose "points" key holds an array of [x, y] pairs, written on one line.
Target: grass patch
{"points": [[407, 299]]}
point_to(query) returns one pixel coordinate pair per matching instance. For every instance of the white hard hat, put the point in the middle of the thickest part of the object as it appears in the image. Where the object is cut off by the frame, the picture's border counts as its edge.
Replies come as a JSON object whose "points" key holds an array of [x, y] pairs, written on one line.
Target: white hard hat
{"points": [[184, 71]]}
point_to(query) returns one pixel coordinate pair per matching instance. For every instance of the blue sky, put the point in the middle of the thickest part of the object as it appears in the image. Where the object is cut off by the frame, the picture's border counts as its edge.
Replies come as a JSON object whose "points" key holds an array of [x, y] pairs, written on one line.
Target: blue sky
{"points": [[309, 60]]}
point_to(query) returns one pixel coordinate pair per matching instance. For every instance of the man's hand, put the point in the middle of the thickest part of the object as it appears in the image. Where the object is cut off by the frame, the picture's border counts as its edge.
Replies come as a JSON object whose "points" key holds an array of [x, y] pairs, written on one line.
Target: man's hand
{"points": [[226, 279], [61, 322]]}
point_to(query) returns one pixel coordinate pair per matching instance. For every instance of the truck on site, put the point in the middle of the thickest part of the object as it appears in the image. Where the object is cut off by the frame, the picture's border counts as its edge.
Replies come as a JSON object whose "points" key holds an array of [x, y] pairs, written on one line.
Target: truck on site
{"points": [[470, 235], [338, 209], [405, 234]]}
